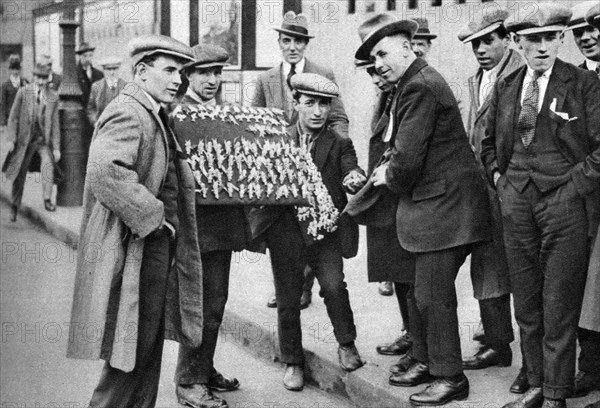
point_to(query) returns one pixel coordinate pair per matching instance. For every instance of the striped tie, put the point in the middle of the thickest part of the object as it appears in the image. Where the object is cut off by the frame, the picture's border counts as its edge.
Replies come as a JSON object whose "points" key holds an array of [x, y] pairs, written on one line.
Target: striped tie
{"points": [[529, 111]]}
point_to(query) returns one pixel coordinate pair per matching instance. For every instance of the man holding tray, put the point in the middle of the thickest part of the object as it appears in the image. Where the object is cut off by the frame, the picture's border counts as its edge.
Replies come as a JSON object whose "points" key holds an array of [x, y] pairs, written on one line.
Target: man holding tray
{"points": [[290, 246]]}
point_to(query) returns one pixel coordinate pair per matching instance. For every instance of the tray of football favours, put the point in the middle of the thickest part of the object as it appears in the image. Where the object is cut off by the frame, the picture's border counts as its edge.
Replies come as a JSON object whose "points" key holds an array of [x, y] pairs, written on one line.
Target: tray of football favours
{"points": [[243, 156]]}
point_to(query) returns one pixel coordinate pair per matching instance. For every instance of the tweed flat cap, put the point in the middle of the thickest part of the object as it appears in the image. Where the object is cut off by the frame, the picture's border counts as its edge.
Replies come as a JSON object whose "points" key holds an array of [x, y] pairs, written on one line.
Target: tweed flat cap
{"points": [[379, 26], [423, 32], [546, 17], [295, 25], [579, 11], [489, 18], [151, 44], [207, 56], [41, 70], [593, 16], [110, 62], [84, 47], [314, 84]]}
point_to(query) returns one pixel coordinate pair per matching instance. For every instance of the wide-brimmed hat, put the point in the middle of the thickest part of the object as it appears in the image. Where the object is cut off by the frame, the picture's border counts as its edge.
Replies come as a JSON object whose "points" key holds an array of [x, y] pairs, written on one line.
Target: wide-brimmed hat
{"points": [[14, 62], [207, 56], [593, 16], [110, 62], [314, 84], [379, 26], [84, 47], [151, 44], [488, 19], [579, 12], [295, 25], [423, 32], [363, 64], [41, 70], [547, 17]]}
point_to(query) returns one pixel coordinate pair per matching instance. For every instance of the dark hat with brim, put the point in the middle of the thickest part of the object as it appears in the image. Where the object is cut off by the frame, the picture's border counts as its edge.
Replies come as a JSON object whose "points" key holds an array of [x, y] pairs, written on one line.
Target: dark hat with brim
{"points": [[41, 70], [14, 62], [593, 16], [207, 56], [295, 25], [579, 12], [152, 44], [547, 17], [363, 64], [423, 32], [315, 85], [380, 26], [489, 19], [84, 47]]}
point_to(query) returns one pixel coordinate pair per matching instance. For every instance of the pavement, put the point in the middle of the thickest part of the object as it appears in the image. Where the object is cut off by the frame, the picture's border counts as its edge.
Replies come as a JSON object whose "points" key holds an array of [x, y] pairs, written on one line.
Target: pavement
{"points": [[248, 323]]}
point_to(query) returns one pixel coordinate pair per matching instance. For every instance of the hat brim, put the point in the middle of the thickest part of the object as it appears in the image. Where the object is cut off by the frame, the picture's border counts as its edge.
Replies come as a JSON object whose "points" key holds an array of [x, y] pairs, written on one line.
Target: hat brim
{"points": [[138, 57], [293, 33], [85, 50], [316, 93], [481, 33], [201, 65], [545, 29], [363, 64], [403, 26], [111, 66], [41, 74], [576, 26], [424, 36]]}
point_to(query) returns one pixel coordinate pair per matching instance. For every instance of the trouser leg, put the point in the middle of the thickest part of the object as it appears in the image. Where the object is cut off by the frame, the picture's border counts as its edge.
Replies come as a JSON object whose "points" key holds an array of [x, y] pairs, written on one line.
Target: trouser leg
{"points": [[496, 320], [19, 181], [195, 365], [309, 279], [402, 289], [46, 171]]}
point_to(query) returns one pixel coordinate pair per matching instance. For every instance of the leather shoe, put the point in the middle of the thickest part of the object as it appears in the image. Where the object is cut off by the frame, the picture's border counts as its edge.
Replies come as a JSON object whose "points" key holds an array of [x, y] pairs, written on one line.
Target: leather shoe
{"points": [[349, 358], [272, 302], [442, 391], [489, 357], [198, 396], [479, 334], [594, 405], [520, 385], [585, 383], [533, 398], [554, 403], [49, 206], [386, 289], [403, 364], [398, 347], [305, 299], [218, 382], [417, 374], [13, 213], [293, 379]]}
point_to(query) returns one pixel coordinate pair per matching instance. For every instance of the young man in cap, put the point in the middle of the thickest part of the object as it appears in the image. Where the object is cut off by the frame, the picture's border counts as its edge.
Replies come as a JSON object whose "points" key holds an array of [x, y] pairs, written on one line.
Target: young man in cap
{"points": [[143, 283], [33, 127], [290, 245], [106, 89], [273, 90], [9, 88], [442, 204], [86, 73], [221, 230], [586, 39], [541, 151], [489, 269], [421, 42]]}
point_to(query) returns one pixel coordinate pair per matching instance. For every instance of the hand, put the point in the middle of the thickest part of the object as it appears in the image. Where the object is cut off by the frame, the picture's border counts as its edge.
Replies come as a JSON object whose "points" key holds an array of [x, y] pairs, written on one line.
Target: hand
{"points": [[378, 175], [496, 178], [354, 181], [56, 155]]}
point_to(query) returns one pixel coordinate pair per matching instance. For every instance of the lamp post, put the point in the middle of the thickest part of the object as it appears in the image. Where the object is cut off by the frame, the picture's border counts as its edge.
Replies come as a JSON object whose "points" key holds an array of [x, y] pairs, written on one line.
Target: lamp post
{"points": [[73, 123]]}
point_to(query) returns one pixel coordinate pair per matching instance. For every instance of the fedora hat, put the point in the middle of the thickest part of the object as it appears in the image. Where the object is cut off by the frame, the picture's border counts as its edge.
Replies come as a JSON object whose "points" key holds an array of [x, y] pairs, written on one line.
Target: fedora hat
{"points": [[363, 64], [84, 47], [379, 26], [207, 56], [295, 25], [593, 16], [423, 32], [547, 17], [489, 19], [579, 11], [150, 44]]}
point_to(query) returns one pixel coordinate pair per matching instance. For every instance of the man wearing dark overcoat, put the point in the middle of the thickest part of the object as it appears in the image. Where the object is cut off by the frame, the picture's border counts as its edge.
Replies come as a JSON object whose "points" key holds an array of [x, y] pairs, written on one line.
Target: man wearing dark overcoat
{"points": [[541, 151], [9, 88], [442, 203], [290, 245], [139, 275], [489, 269], [221, 230], [86, 73]]}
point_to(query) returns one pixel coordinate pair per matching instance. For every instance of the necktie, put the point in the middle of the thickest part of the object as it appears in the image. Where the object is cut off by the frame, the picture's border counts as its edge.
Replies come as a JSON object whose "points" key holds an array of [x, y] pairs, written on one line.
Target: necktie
{"points": [[529, 111], [291, 74], [598, 70]]}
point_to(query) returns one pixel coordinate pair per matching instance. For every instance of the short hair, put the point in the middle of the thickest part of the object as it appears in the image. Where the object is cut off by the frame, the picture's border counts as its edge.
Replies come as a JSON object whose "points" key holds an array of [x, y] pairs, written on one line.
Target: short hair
{"points": [[296, 95], [501, 31]]}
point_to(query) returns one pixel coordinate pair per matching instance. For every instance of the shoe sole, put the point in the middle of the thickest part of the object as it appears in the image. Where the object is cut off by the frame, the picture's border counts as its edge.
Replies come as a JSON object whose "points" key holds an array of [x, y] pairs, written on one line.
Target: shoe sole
{"points": [[519, 392], [388, 353], [459, 397], [221, 389], [293, 388], [425, 381], [188, 404]]}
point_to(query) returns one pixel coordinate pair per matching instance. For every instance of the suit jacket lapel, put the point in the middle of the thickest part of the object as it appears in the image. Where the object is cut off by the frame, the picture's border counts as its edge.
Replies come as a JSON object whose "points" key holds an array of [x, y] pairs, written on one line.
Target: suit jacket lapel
{"points": [[556, 90], [509, 106], [322, 147]]}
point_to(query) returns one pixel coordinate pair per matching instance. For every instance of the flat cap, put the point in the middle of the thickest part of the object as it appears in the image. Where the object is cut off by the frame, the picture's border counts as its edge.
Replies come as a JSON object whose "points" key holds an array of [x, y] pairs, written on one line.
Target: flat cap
{"points": [[314, 84], [207, 56], [295, 25], [423, 32], [593, 16], [110, 62], [379, 26], [546, 17], [489, 18], [84, 47], [579, 11], [151, 44]]}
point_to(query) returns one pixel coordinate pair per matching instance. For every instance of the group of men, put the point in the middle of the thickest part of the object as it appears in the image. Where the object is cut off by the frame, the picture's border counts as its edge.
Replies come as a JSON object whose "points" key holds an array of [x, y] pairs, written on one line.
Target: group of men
{"points": [[518, 190]]}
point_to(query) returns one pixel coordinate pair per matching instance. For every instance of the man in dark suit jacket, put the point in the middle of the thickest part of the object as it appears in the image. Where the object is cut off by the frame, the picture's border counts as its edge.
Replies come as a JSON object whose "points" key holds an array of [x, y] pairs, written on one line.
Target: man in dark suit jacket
{"points": [[86, 73], [541, 151], [291, 247], [9, 88], [221, 230], [442, 204]]}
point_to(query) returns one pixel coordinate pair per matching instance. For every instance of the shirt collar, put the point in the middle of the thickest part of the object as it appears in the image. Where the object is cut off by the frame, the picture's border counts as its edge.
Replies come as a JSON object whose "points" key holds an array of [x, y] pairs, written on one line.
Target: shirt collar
{"points": [[155, 105], [545, 75], [111, 82], [197, 99], [299, 66], [591, 65]]}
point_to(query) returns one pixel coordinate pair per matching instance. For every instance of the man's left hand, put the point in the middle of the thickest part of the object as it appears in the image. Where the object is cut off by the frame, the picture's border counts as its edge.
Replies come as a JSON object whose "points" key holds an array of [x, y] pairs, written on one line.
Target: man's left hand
{"points": [[378, 175], [354, 181]]}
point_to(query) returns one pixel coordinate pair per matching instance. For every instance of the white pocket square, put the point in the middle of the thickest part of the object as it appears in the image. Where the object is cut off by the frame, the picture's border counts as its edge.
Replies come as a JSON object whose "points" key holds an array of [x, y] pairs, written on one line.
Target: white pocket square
{"points": [[563, 115]]}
